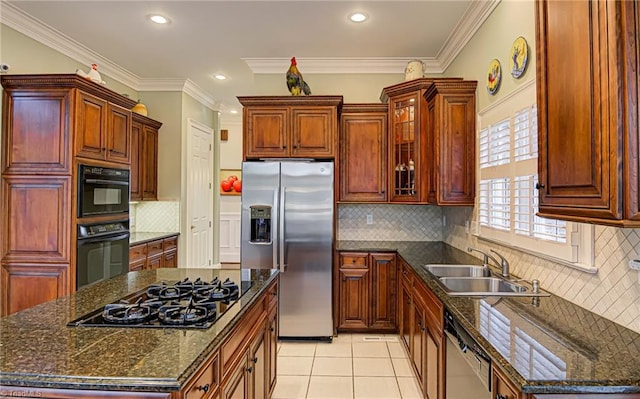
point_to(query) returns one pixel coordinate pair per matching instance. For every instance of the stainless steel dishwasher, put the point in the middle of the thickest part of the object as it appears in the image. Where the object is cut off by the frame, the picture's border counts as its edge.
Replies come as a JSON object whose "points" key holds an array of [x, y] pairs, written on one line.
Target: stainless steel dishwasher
{"points": [[468, 368]]}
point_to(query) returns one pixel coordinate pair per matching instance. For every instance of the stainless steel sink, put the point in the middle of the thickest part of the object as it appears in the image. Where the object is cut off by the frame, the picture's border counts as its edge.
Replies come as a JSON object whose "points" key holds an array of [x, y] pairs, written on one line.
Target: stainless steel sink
{"points": [[486, 286], [445, 270]]}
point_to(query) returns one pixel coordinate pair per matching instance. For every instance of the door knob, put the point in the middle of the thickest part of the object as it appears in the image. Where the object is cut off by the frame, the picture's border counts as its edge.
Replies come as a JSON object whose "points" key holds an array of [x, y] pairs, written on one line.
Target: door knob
{"points": [[193, 227]]}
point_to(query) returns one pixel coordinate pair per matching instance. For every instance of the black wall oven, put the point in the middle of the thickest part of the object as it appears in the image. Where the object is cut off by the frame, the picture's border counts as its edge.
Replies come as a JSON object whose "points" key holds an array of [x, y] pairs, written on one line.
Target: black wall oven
{"points": [[102, 251], [102, 191]]}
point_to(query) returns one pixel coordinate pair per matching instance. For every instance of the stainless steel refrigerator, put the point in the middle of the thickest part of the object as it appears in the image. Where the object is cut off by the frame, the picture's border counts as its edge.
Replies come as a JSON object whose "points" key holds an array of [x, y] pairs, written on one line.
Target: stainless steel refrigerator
{"points": [[287, 223]]}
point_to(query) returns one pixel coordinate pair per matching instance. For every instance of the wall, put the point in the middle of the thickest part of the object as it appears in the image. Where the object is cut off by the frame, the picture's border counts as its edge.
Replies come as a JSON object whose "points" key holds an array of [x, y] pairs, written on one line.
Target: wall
{"points": [[614, 292], [395, 222]]}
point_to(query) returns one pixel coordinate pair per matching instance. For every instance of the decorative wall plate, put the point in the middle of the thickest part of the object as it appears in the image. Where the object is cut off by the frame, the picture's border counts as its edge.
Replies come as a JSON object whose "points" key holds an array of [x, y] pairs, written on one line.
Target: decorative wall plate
{"points": [[519, 58], [494, 76]]}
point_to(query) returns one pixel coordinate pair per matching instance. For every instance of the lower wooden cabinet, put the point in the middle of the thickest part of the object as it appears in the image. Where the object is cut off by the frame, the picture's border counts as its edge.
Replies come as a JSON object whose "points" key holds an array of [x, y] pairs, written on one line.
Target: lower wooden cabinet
{"points": [[154, 254], [206, 383], [503, 388], [366, 299], [421, 330]]}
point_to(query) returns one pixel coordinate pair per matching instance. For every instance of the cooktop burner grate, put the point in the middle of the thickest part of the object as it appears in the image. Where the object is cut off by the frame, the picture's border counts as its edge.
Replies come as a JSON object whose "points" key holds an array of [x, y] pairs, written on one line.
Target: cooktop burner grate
{"points": [[183, 304]]}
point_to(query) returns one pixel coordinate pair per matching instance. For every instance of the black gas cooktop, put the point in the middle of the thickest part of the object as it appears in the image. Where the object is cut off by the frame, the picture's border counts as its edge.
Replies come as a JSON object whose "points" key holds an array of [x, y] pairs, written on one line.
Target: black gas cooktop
{"points": [[181, 304]]}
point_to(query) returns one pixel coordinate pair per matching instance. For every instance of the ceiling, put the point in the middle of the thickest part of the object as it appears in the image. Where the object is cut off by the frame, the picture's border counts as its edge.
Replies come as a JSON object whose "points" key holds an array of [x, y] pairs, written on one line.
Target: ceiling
{"points": [[242, 38]]}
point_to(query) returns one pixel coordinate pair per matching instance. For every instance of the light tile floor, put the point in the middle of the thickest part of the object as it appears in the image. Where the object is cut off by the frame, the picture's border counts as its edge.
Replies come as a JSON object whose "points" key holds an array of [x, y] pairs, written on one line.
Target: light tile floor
{"points": [[351, 367]]}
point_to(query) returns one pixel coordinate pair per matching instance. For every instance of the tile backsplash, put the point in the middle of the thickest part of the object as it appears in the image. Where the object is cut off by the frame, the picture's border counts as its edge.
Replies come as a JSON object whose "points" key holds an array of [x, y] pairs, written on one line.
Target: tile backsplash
{"points": [[389, 222], [613, 292], [155, 216]]}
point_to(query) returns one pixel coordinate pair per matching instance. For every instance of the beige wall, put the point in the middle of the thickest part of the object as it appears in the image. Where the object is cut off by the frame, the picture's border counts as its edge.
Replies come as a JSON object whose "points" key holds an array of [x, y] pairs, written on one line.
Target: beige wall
{"points": [[614, 292]]}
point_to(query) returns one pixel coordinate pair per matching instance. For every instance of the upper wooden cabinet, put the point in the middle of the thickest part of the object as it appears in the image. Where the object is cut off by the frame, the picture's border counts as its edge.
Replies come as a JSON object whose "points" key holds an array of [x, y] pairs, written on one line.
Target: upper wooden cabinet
{"points": [[290, 127], [431, 141], [451, 115], [587, 93], [144, 158], [103, 130], [363, 153]]}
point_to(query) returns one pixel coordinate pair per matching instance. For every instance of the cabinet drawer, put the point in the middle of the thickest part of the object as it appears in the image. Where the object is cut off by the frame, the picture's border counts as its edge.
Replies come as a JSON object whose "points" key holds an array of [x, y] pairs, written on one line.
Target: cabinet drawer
{"points": [[137, 252], [353, 260], [154, 248], [169, 243], [406, 273], [205, 384]]}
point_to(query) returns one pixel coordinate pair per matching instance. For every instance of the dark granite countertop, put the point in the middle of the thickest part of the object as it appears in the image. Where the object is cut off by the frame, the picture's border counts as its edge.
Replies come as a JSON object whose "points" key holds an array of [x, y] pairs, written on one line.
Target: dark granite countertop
{"points": [[38, 349], [554, 346], [140, 237]]}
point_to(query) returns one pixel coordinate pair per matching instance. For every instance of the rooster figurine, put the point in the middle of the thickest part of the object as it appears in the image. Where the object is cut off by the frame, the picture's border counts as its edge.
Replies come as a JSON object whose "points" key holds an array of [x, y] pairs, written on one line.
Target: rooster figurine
{"points": [[295, 82]]}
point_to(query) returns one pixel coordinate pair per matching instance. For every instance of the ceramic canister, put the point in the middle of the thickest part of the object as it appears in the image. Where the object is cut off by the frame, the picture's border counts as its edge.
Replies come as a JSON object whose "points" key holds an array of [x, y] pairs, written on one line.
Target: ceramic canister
{"points": [[414, 70]]}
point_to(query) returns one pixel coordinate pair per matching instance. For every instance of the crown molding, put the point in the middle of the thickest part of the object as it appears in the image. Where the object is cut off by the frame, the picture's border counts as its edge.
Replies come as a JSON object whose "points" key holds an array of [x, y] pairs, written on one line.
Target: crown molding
{"points": [[203, 97], [161, 84], [340, 65], [24, 23], [471, 21]]}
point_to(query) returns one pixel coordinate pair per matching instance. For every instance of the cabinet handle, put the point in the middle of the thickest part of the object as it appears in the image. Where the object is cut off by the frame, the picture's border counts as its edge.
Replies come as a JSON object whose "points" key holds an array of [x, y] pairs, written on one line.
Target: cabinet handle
{"points": [[255, 360], [203, 388], [104, 148], [539, 186], [295, 146], [501, 396], [272, 329], [250, 369], [344, 279], [284, 147]]}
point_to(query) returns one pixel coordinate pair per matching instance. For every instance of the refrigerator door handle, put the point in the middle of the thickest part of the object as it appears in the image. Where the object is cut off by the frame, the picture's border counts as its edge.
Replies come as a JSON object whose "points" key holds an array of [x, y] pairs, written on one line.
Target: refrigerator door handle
{"points": [[283, 265], [274, 232]]}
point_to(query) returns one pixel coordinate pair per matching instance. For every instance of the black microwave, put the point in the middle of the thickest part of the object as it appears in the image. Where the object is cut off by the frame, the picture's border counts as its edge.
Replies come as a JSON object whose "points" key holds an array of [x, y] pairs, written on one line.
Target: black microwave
{"points": [[102, 191]]}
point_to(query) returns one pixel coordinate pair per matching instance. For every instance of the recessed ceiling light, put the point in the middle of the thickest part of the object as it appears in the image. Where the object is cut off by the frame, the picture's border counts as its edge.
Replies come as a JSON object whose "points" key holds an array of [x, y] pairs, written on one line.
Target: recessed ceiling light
{"points": [[219, 76], [358, 17], [234, 111], [159, 19]]}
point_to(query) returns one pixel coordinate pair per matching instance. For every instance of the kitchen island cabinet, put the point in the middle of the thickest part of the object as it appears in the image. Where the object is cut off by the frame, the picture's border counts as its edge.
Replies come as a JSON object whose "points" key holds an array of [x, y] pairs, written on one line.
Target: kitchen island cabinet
{"points": [[583, 355], [43, 357]]}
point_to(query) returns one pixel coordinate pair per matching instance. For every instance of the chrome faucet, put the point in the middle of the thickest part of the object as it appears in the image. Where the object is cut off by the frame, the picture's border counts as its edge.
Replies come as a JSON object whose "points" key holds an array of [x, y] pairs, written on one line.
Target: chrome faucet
{"points": [[503, 263]]}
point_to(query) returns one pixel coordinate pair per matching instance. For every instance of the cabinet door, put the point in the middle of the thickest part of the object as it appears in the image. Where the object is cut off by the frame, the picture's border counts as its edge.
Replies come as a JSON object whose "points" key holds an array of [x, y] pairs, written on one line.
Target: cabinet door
{"points": [[170, 259], [383, 291], [137, 265], [91, 126], [418, 339], [257, 367], [118, 134], [154, 262], [354, 298], [451, 133], [404, 145], [313, 132], [363, 157], [149, 163], [236, 385], [405, 315], [135, 193], [272, 340], [579, 127], [266, 132], [24, 286], [501, 387], [434, 365]]}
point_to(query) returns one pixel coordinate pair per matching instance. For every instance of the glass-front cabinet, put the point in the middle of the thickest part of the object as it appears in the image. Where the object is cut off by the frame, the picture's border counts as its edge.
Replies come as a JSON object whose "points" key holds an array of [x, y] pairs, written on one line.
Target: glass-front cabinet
{"points": [[406, 140]]}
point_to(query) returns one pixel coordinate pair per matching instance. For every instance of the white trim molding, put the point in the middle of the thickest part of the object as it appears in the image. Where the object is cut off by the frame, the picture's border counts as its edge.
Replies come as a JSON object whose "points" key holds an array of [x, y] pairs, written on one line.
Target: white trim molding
{"points": [[340, 65]]}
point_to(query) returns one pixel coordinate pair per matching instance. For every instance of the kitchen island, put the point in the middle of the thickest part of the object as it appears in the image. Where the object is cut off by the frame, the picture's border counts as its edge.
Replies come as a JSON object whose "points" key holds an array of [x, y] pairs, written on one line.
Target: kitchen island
{"points": [[42, 356], [545, 346]]}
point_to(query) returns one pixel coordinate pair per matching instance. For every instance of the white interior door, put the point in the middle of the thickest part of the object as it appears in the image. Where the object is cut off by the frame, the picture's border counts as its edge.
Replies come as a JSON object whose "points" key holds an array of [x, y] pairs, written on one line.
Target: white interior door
{"points": [[199, 195]]}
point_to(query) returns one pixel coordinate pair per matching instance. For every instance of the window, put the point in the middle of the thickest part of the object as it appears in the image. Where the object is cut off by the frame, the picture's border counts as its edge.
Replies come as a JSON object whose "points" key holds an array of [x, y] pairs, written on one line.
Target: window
{"points": [[507, 197]]}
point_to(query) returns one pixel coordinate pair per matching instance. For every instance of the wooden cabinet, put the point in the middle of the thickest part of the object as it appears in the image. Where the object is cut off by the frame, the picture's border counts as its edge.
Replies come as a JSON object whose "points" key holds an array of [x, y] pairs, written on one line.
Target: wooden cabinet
{"points": [[431, 141], [422, 332], [103, 129], [451, 116], [50, 123], [272, 342], [367, 291], [363, 153], [503, 388], [154, 254], [144, 158], [290, 127], [588, 116], [206, 382]]}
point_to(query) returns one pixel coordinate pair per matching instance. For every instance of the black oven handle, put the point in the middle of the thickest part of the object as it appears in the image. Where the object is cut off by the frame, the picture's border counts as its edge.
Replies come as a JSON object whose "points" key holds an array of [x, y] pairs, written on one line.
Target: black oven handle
{"points": [[84, 241], [113, 182]]}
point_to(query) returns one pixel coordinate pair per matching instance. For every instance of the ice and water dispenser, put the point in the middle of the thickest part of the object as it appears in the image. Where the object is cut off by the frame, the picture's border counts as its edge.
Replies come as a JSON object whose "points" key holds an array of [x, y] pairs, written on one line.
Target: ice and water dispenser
{"points": [[260, 224]]}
